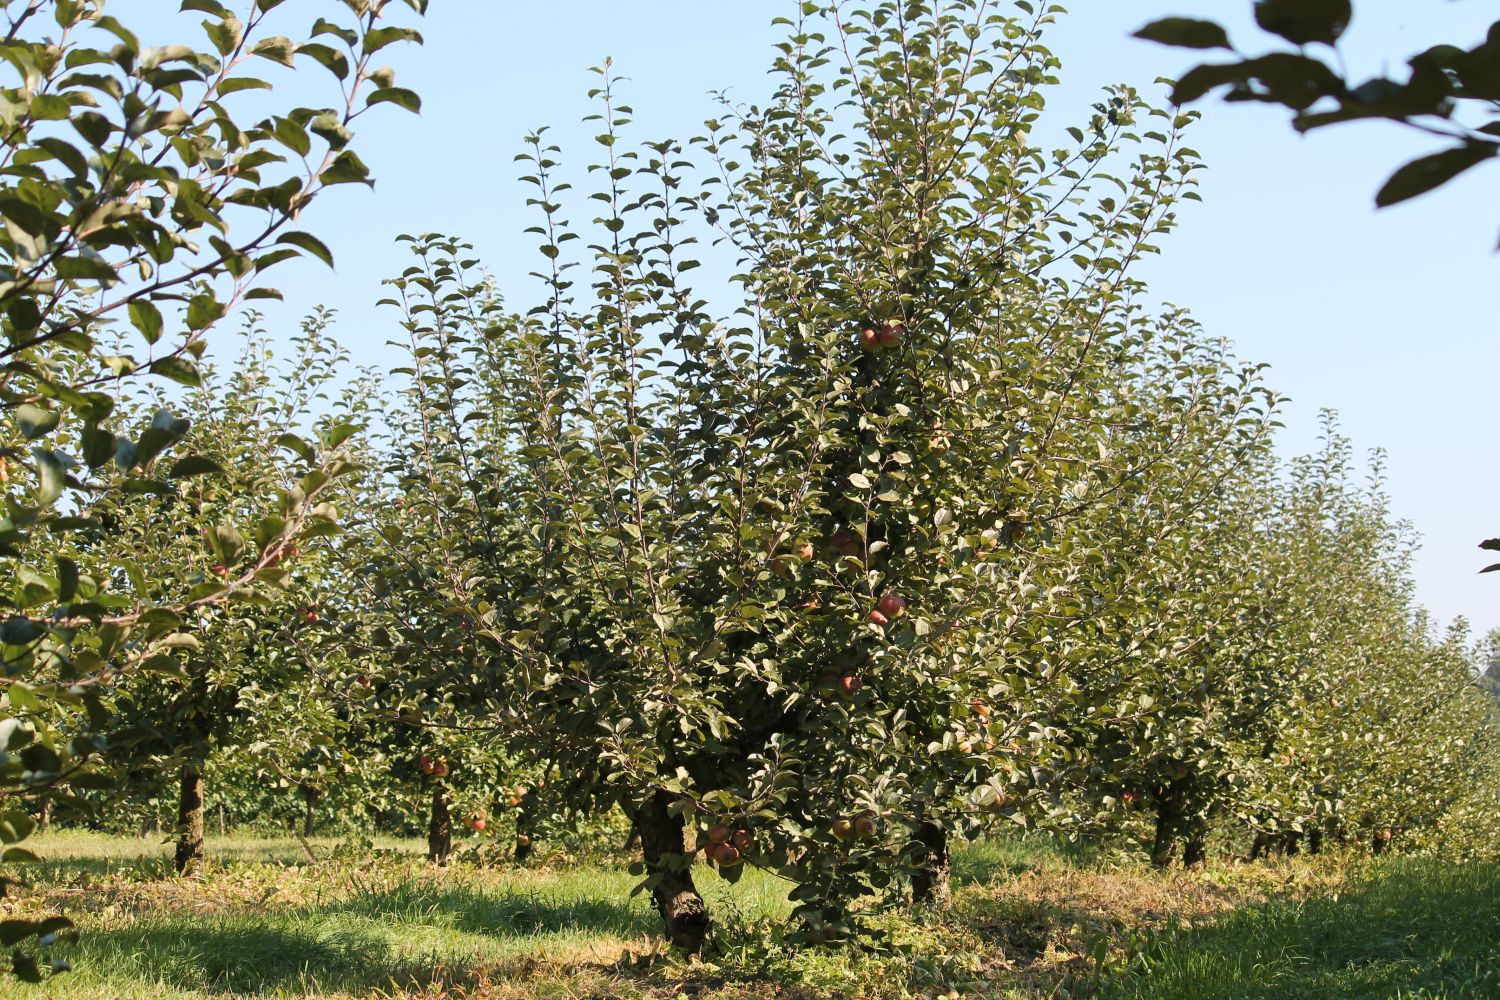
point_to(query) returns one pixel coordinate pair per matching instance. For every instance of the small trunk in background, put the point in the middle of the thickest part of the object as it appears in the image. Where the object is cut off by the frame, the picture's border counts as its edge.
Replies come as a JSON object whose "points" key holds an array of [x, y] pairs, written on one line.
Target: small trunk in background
{"points": [[439, 828], [309, 805]]}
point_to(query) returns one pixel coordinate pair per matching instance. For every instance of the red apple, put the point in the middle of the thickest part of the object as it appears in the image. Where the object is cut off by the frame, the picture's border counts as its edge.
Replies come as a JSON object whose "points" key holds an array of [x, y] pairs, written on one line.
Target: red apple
{"points": [[879, 619], [221, 570], [742, 841], [425, 763], [842, 828], [869, 339], [845, 542], [865, 825], [726, 855], [890, 334], [719, 834], [979, 708], [804, 551], [850, 685], [477, 823], [892, 605]]}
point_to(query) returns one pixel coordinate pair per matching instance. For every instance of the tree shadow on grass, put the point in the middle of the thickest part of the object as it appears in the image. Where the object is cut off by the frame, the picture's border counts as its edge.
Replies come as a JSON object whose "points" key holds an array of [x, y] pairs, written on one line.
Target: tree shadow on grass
{"points": [[240, 957], [374, 941], [514, 913], [1413, 929]]}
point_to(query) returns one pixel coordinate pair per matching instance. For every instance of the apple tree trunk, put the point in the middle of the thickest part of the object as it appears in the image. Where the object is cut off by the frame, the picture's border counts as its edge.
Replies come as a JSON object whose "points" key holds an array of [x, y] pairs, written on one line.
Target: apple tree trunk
{"points": [[1168, 816], [931, 882], [684, 914], [439, 828], [309, 809], [190, 850]]}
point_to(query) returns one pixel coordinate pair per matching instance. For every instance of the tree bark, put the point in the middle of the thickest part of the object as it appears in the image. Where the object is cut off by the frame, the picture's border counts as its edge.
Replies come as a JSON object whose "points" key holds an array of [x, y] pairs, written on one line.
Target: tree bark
{"points": [[439, 828], [930, 884], [683, 912], [1260, 847], [1315, 842], [1166, 833], [190, 851], [1195, 850], [309, 804]]}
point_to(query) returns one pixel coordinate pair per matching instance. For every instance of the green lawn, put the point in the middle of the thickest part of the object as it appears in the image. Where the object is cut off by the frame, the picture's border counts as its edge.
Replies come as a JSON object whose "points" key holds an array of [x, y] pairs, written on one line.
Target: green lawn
{"points": [[269, 920]]}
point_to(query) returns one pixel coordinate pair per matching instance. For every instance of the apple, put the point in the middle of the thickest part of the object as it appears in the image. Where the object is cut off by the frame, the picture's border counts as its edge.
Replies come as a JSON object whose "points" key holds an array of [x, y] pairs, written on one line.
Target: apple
{"points": [[845, 542], [980, 709], [890, 334], [742, 841], [477, 823], [869, 339], [850, 685], [440, 768], [842, 828], [879, 619], [999, 802], [425, 763], [719, 834], [726, 855], [221, 570], [1131, 796], [310, 615], [812, 604], [805, 551], [892, 605], [523, 841], [513, 801], [865, 825]]}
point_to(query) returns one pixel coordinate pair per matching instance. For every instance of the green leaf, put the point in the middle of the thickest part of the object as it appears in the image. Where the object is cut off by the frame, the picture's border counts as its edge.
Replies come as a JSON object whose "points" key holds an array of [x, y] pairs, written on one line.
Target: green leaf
{"points": [[178, 369], [399, 96], [309, 243], [277, 48], [347, 168], [331, 59], [1186, 33], [1303, 22], [52, 476], [36, 422], [194, 465], [145, 317], [1422, 175]]}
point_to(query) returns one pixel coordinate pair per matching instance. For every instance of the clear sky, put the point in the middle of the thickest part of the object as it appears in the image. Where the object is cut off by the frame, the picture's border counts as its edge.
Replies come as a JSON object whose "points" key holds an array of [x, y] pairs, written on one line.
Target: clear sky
{"points": [[1389, 318]]}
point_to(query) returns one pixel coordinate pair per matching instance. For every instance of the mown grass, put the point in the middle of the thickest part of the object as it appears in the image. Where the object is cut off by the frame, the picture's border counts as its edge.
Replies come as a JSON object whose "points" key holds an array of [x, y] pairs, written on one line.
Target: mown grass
{"points": [[277, 919], [1401, 928]]}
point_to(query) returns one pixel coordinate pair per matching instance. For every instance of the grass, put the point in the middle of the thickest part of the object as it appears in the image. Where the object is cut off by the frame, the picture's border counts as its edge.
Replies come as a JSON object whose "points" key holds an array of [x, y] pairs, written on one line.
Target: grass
{"points": [[267, 920], [1412, 929]]}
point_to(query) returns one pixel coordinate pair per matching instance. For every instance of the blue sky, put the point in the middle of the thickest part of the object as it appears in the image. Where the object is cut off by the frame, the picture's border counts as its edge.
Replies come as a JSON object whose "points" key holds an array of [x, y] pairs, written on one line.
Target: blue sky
{"points": [[1388, 318]]}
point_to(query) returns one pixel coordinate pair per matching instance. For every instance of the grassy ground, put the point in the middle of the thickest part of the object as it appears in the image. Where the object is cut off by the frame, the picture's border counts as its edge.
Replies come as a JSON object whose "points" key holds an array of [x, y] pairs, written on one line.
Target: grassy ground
{"points": [[274, 919]]}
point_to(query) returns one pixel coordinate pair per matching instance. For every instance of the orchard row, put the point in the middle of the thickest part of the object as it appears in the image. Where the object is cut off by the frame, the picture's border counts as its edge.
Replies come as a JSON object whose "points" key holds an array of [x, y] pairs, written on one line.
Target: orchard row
{"points": [[921, 520]]}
